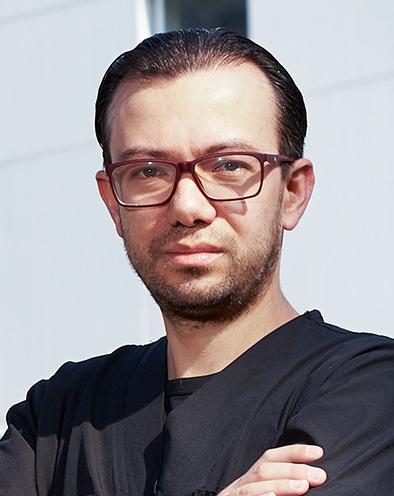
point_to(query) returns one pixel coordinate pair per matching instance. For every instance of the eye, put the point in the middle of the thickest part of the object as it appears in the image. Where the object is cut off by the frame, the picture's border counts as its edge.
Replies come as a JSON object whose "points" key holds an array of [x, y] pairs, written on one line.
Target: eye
{"points": [[230, 166], [149, 172]]}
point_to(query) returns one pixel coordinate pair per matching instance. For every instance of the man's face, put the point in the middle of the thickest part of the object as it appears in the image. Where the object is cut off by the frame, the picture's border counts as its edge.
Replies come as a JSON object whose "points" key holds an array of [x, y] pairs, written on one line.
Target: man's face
{"points": [[202, 260]]}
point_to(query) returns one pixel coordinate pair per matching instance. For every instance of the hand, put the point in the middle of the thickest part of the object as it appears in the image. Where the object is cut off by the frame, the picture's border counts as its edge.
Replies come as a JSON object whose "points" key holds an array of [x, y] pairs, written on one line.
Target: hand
{"points": [[280, 472]]}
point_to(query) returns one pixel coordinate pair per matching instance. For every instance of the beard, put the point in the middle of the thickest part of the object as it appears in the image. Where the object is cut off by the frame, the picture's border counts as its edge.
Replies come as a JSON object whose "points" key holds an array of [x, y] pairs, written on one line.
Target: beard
{"points": [[246, 279]]}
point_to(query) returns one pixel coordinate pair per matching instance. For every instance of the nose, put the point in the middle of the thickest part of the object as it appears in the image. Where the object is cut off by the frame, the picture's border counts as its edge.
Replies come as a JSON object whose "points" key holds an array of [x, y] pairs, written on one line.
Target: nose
{"points": [[188, 205]]}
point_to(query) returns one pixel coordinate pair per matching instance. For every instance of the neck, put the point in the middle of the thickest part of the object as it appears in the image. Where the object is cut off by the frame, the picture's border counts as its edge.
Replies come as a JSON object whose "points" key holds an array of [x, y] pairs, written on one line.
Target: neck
{"points": [[196, 349]]}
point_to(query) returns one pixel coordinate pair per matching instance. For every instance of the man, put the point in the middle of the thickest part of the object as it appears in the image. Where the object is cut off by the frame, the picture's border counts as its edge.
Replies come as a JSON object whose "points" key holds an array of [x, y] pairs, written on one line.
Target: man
{"points": [[202, 134]]}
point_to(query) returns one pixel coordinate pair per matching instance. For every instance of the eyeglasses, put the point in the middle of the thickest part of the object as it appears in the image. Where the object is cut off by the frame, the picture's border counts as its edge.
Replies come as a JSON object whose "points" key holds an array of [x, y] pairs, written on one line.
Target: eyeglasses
{"points": [[219, 177]]}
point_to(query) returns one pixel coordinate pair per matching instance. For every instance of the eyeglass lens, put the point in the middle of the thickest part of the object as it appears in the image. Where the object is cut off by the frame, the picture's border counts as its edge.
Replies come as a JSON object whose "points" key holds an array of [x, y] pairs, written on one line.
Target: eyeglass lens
{"points": [[221, 178]]}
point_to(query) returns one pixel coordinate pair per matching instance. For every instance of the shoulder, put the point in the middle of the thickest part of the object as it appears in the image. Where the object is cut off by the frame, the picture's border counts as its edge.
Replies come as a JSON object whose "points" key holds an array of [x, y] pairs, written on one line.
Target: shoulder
{"points": [[74, 388], [124, 358], [333, 337], [121, 362], [314, 347], [347, 360], [344, 402]]}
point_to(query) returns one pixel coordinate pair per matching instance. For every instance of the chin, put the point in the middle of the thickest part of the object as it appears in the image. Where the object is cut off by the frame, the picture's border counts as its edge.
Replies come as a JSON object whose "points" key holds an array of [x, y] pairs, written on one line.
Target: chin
{"points": [[190, 276]]}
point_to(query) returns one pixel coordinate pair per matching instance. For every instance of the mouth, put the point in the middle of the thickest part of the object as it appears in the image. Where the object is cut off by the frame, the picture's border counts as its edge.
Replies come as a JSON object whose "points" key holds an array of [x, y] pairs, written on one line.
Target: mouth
{"points": [[192, 255]]}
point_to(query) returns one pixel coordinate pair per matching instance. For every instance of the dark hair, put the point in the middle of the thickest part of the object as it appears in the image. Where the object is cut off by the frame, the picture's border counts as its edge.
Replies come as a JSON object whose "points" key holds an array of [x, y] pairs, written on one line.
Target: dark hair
{"points": [[170, 55]]}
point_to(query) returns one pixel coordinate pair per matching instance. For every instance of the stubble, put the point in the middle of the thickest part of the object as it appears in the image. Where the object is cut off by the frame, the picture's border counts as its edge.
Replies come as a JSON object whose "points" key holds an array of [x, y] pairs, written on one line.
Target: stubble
{"points": [[247, 277]]}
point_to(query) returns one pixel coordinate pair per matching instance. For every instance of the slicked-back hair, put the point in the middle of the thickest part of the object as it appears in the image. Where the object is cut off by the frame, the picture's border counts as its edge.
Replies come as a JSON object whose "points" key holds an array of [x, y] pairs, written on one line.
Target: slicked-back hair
{"points": [[177, 53]]}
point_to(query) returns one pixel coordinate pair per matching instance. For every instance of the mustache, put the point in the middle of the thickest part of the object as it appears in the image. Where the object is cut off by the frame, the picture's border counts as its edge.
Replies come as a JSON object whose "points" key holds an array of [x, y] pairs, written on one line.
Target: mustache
{"points": [[197, 234]]}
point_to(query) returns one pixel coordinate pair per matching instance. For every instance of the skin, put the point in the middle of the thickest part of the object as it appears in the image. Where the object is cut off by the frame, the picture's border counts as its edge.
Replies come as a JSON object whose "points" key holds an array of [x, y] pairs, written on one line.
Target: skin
{"points": [[283, 471], [193, 245]]}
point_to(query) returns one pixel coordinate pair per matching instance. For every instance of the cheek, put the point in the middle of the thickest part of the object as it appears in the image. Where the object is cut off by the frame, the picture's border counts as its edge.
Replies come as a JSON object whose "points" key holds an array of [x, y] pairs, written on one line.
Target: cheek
{"points": [[142, 225], [250, 219]]}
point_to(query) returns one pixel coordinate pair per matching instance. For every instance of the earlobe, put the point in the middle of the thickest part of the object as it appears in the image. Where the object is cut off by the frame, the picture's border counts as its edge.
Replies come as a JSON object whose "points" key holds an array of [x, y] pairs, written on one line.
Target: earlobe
{"points": [[297, 192], [108, 198]]}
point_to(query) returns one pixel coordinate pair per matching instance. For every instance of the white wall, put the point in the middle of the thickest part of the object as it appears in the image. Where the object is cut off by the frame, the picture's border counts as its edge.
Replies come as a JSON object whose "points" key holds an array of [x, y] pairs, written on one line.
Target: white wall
{"points": [[340, 259], [66, 291]]}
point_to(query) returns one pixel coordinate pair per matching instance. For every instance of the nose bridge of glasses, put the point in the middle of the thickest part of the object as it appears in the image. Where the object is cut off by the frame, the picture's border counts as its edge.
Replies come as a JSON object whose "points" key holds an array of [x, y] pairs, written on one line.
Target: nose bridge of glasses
{"points": [[184, 167], [187, 167]]}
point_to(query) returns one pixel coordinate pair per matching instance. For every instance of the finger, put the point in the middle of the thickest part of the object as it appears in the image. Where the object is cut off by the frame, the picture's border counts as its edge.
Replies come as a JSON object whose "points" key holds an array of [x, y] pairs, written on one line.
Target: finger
{"points": [[293, 453], [284, 454], [279, 488], [265, 494], [267, 471]]}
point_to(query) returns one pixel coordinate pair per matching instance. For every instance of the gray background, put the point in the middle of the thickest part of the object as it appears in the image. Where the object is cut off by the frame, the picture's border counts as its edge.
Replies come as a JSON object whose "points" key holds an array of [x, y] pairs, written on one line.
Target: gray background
{"points": [[66, 290]]}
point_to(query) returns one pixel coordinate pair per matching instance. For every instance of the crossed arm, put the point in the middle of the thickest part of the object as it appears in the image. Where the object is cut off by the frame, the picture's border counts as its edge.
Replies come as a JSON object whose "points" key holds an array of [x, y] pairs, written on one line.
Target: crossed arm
{"points": [[283, 471]]}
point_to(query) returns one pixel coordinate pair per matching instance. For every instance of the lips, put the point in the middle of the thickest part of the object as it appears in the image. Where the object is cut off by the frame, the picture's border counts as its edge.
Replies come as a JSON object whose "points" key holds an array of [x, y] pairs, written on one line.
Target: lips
{"points": [[193, 248], [193, 254]]}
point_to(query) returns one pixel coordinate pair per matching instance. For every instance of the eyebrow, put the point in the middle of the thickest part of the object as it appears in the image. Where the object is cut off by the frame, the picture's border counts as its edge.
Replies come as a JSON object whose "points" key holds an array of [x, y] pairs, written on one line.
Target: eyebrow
{"points": [[226, 146]]}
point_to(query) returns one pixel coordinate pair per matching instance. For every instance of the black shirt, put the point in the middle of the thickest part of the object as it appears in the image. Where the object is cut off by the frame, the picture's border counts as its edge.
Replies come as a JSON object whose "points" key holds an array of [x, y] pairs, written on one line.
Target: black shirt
{"points": [[177, 390], [99, 427]]}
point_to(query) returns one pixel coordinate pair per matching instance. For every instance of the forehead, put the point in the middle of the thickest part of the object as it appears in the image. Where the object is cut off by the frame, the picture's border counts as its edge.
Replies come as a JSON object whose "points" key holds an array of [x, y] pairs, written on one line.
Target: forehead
{"points": [[190, 112]]}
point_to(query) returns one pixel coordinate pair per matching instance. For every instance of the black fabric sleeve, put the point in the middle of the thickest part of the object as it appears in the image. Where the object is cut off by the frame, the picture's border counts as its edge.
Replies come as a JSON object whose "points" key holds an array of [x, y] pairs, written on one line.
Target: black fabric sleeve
{"points": [[17, 447], [347, 408]]}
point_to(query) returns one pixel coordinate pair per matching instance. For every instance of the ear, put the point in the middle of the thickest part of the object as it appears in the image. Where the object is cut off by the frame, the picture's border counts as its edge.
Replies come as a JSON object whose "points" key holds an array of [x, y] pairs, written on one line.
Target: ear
{"points": [[297, 192], [108, 197]]}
